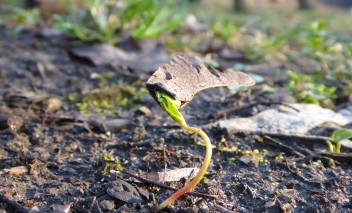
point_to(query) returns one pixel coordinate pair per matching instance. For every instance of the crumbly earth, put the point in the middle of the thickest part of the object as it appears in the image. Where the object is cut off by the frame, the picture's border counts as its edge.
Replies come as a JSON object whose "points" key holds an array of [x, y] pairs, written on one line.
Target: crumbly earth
{"points": [[52, 158]]}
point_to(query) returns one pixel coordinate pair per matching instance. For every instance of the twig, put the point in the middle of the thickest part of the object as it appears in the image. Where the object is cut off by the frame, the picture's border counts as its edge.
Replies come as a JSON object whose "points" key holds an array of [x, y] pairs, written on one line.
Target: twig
{"points": [[342, 157], [169, 187], [13, 205], [93, 202], [300, 151], [306, 137], [325, 160], [316, 138], [283, 146], [223, 209]]}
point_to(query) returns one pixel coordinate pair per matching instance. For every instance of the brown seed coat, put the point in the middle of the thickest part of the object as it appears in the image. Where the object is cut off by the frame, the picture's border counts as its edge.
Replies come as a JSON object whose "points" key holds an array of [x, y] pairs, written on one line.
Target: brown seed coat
{"points": [[185, 76]]}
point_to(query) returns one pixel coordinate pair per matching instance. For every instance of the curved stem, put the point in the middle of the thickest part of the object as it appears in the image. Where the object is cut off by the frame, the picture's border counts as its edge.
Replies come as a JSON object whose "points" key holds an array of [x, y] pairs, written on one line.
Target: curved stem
{"points": [[203, 169], [337, 146]]}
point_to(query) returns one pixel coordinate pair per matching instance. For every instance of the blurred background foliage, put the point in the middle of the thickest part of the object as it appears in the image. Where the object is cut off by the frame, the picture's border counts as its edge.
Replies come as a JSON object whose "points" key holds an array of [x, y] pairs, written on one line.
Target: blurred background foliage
{"points": [[310, 39]]}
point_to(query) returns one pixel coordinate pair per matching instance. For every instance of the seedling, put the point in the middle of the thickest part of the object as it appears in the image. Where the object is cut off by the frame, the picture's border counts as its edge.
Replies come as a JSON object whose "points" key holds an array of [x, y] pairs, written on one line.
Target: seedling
{"points": [[338, 136], [174, 85], [170, 106], [306, 89], [111, 163]]}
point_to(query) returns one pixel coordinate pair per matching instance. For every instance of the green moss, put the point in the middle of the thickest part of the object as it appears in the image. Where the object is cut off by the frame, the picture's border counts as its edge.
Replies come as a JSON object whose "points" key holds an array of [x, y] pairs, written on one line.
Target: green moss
{"points": [[111, 99], [111, 164], [257, 155]]}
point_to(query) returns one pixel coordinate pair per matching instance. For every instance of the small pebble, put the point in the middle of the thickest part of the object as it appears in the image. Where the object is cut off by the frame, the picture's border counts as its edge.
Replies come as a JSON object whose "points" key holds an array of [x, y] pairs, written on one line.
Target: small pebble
{"points": [[107, 205]]}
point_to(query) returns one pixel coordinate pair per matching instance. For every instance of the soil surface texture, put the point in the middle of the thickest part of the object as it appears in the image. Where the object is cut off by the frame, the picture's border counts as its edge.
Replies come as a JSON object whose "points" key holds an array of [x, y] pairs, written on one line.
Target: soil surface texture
{"points": [[55, 158]]}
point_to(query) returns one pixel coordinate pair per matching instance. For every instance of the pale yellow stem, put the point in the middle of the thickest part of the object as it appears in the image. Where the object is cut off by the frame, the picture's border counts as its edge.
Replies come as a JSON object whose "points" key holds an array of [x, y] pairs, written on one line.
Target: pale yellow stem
{"points": [[203, 169]]}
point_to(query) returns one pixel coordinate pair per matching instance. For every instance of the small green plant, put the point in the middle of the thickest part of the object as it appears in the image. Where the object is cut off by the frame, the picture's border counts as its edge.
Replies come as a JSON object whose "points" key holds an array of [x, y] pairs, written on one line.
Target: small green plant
{"points": [[102, 19], [205, 180], [25, 17], [170, 105], [338, 136], [225, 29], [98, 21], [111, 163], [306, 89], [259, 46], [175, 84], [327, 63], [19, 17], [151, 18]]}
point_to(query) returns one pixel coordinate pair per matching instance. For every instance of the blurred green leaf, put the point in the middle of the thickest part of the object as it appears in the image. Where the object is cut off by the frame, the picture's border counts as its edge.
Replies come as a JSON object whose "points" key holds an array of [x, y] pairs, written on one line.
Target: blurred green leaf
{"points": [[341, 134], [224, 28], [102, 19], [318, 26], [158, 20]]}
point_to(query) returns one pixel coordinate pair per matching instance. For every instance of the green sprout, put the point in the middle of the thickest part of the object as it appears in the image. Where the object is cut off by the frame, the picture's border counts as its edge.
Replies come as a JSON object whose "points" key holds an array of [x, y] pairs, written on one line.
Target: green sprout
{"points": [[170, 105], [308, 90], [111, 163], [338, 136], [224, 29], [205, 180]]}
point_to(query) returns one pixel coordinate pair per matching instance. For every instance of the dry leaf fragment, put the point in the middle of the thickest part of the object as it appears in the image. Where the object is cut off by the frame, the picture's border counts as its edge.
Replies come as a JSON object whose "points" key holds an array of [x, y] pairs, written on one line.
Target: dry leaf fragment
{"points": [[60, 208], [124, 191], [270, 203], [147, 58], [286, 121], [173, 175], [248, 160], [185, 76], [115, 125], [53, 104], [17, 170]]}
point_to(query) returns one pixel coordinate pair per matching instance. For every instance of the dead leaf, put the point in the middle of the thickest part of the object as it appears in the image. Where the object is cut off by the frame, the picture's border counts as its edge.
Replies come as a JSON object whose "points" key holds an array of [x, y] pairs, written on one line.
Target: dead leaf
{"points": [[24, 97], [144, 193], [144, 110], [17, 170], [115, 125], [173, 175], [124, 191], [270, 203], [185, 76], [246, 159], [12, 123], [286, 208], [144, 59], [60, 208], [15, 123], [53, 104], [97, 122], [285, 120]]}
